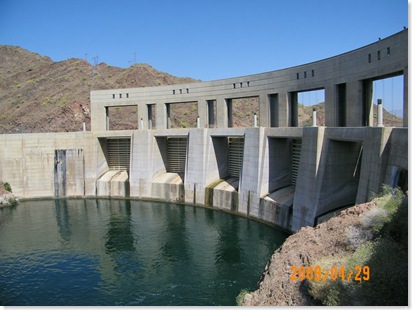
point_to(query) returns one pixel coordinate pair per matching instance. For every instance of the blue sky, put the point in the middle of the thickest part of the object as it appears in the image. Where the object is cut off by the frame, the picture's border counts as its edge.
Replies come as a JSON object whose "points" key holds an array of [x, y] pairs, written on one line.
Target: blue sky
{"points": [[202, 39]]}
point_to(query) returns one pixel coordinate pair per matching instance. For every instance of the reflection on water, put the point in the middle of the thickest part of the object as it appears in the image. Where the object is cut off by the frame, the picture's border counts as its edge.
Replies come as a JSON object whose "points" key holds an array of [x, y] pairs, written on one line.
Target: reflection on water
{"points": [[125, 252], [62, 219]]}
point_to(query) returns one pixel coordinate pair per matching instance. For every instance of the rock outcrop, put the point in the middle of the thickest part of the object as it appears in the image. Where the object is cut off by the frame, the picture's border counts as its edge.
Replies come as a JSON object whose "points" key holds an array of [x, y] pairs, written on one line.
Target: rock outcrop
{"points": [[6, 198]]}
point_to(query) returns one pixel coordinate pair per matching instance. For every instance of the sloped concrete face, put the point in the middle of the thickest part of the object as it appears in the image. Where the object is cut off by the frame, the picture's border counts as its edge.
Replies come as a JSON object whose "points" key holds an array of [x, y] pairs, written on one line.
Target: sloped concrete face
{"points": [[168, 187], [113, 183], [276, 208], [225, 195]]}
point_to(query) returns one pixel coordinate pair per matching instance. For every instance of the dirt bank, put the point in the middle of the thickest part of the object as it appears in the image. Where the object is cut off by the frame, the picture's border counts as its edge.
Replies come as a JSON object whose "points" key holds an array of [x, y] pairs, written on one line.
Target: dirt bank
{"points": [[303, 248]]}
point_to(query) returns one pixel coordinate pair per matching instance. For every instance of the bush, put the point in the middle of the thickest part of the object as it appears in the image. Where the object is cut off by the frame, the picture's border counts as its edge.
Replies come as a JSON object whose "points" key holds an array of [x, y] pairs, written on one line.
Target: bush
{"points": [[7, 187], [241, 297], [388, 283]]}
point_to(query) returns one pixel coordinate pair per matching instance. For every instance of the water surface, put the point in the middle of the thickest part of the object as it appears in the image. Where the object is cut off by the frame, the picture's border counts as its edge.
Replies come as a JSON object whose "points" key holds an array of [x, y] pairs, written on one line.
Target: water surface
{"points": [[124, 252]]}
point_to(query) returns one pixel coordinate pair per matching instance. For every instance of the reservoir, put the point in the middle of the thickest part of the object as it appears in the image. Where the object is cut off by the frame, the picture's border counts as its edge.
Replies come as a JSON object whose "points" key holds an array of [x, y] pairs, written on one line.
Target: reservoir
{"points": [[98, 252]]}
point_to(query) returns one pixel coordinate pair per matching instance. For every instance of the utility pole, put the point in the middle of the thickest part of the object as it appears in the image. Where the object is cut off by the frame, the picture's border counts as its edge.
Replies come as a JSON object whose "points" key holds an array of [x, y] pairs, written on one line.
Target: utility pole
{"points": [[134, 58]]}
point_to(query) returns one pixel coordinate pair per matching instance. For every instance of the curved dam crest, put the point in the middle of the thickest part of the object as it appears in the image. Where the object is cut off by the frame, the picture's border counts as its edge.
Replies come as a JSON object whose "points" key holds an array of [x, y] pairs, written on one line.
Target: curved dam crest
{"points": [[276, 172]]}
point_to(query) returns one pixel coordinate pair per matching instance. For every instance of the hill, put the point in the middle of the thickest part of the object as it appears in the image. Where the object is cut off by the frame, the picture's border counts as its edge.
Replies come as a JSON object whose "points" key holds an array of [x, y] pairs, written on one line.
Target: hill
{"points": [[40, 95]]}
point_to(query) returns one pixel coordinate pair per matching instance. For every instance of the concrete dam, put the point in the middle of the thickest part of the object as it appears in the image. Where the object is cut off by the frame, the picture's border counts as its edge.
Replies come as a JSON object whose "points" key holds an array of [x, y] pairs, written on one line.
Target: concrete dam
{"points": [[273, 171]]}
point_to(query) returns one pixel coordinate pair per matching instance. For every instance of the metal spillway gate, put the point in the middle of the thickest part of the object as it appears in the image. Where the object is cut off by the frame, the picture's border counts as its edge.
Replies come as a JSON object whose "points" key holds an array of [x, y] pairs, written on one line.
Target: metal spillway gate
{"points": [[296, 150], [118, 154], [176, 153], [236, 146]]}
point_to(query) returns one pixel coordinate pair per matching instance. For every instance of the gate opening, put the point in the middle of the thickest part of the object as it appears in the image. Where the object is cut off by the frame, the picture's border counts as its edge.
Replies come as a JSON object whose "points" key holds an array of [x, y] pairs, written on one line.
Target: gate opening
{"points": [[341, 176], [284, 158], [176, 153], [229, 156], [114, 182], [118, 153], [235, 156]]}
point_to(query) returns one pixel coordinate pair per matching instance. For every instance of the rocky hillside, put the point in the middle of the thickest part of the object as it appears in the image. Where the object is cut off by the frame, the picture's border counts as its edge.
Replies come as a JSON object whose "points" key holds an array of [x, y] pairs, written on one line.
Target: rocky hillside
{"points": [[39, 95]]}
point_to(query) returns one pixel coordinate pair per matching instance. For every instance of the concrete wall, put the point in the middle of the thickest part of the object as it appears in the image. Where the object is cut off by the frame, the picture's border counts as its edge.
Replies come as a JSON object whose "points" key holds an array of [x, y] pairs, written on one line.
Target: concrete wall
{"points": [[333, 172]]}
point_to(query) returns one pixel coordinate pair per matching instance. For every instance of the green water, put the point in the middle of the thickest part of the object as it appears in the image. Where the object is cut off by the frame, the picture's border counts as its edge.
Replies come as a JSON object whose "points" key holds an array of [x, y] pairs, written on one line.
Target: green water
{"points": [[124, 252]]}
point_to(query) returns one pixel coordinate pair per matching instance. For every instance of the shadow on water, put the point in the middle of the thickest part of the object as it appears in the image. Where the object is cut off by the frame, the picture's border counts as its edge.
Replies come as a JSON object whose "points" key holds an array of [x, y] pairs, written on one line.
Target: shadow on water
{"points": [[63, 219], [119, 235], [174, 235], [228, 249]]}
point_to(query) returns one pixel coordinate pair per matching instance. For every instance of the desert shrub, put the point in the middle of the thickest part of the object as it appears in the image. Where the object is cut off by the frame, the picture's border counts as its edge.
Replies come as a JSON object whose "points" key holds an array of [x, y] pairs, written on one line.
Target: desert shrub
{"points": [[328, 292], [356, 236], [241, 297], [374, 219], [388, 283], [397, 228], [7, 186]]}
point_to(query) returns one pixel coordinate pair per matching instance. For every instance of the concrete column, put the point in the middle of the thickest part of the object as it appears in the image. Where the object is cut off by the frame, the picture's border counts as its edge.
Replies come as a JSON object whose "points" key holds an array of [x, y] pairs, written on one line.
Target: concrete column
{"points": [[98, 116], [195, 180], [142, 114], [283, 103], [309, 182], [367, 104], [374, 157], [250, 181], [405, 97], [202, 112], [221, 113], [161, 116], [264, 111], [293, 109], [354, 110], [273, 110], [331, 115]]}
